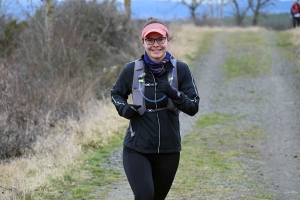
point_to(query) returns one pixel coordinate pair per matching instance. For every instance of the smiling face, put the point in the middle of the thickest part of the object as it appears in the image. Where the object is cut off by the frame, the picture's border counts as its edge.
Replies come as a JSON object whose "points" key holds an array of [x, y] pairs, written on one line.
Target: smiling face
{"points": [[156, 52]]}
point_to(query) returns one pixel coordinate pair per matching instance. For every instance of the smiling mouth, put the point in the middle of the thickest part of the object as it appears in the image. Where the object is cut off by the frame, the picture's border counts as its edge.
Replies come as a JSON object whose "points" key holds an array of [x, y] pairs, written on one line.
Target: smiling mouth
{"points": [[156, 50]]}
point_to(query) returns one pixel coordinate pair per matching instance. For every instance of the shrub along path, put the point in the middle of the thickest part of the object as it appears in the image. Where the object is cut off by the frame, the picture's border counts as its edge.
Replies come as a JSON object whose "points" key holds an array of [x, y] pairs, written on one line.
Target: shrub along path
{"points": [[244, 142]]}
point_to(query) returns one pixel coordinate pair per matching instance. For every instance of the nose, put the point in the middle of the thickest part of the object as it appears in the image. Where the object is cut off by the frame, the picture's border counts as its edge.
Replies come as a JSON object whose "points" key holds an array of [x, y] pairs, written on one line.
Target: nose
{"points": [[155, 41]]}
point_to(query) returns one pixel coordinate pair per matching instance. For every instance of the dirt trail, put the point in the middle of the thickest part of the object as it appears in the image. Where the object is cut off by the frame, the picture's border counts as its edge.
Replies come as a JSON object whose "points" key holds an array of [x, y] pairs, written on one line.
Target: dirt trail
{"points": [[274, 106], [281, 120]]}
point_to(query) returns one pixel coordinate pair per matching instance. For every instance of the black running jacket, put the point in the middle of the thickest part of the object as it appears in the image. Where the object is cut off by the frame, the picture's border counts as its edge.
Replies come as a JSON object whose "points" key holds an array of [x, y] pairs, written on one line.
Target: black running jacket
{"points": [[156, 132]]}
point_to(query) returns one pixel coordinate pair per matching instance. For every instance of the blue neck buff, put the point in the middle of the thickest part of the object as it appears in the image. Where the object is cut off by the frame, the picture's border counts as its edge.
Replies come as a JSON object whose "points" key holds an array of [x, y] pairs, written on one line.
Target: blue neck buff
{"points": [[156, 67]]}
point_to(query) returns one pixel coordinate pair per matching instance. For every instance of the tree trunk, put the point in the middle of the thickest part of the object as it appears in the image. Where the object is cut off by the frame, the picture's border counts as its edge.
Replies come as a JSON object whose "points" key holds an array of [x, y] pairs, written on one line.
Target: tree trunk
{"points": [[193, 13], [48, 27], [127, 4], [255, 18], [239, 20]]}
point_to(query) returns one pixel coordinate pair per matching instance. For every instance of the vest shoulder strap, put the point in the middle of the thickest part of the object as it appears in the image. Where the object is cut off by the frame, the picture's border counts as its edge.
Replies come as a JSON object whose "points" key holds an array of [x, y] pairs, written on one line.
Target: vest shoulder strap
{"points": [[138, 76]]}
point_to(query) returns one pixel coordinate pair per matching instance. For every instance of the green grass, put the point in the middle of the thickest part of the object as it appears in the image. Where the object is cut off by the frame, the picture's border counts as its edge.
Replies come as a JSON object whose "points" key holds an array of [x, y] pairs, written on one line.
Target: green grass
{"points": [[283, 39], [245, 65], [247, 56], [213, 119], [207, 42], [288, 48], [89, 180], [217, 161], [204, 45], [284, 43]]}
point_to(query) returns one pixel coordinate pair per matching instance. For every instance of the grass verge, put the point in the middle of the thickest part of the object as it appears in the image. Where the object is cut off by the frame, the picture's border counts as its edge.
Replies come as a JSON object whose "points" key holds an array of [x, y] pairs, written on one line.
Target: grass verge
{"points": [[289, 43], [203, 45], [217, 161], [88, 180], [188, 48], [247, 55], [70, 163]]}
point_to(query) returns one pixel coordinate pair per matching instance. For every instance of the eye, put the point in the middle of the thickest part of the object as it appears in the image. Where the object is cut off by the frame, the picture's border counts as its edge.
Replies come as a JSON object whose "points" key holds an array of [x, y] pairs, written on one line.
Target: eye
{"points": [[160, 39], [150, 40]]}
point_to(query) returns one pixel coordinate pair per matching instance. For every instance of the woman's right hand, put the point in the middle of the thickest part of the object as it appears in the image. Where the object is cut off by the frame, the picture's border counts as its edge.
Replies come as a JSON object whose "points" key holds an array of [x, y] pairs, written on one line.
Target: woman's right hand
{"points": [[130, 110]]}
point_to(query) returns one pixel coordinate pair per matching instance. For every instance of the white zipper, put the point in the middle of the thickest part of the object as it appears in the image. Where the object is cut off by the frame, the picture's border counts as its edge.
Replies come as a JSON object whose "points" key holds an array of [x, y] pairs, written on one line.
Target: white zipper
{"points": [[156, 114]]}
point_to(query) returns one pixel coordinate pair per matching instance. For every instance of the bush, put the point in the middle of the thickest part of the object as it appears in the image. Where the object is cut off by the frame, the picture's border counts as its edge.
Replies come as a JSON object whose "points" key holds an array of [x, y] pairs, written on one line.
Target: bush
{"points": [[10, 30], [44, 84]]}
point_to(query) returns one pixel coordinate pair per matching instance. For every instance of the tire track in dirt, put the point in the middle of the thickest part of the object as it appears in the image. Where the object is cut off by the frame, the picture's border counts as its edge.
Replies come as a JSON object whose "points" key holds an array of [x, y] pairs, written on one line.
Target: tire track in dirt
{"points": [[281, 120], [269, 101], [208, 76]]}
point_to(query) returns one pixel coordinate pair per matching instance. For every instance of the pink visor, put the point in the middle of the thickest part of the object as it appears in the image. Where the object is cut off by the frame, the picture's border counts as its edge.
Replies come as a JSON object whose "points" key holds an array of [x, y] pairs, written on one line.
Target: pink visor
{"points": [[155, 27]]}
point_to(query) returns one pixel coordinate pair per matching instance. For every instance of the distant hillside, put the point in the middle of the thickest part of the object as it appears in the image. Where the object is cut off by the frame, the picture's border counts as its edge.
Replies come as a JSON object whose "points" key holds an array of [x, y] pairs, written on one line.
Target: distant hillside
{"points": [[142, 9], [175, 10]]}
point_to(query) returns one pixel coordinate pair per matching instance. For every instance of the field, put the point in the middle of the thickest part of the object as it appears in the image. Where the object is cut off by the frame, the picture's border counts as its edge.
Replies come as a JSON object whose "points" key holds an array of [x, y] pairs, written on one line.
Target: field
{"points": [[243, 77]]}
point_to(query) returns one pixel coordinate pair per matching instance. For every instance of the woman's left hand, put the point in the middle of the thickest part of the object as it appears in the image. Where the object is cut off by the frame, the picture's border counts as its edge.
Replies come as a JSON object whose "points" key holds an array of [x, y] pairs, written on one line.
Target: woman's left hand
{"points": [[164, 87]]}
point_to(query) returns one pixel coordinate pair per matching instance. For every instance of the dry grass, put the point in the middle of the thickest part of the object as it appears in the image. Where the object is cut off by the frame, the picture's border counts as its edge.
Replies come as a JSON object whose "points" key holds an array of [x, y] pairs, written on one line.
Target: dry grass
{"points": [[183, 42], [189, 40], [26, 174], [59, 151], [293, 38], [101, 122], [290, 44]]}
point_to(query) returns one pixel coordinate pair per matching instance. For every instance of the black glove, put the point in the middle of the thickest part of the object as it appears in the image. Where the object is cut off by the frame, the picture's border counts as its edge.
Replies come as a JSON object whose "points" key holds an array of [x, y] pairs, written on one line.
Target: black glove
{"points": [[164, 87], [130, 110]]}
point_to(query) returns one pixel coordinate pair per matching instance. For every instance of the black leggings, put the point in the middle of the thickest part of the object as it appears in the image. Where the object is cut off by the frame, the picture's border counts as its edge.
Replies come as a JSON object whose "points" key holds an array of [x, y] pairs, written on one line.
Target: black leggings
{"points": [[296, 21], [150, 175]]}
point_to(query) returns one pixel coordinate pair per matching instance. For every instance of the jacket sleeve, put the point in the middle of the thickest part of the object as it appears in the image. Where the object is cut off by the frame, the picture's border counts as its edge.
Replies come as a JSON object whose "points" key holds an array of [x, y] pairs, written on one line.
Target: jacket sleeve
{"points": [[122, 87], [189, 98]]}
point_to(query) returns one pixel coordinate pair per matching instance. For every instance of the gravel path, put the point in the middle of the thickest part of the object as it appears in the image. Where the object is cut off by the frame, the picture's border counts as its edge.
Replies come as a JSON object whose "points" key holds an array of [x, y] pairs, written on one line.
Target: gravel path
{"points": [[281, 120], [274, 106]]}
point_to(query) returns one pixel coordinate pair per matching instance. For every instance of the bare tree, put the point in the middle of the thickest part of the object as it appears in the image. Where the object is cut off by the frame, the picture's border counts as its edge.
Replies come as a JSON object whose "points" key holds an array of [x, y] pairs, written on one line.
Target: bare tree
{"points": [[212, 4], [127, 5], [240, 10], [222, 4], [48, 27], [216, 7], [193, 5], [256, 6]]}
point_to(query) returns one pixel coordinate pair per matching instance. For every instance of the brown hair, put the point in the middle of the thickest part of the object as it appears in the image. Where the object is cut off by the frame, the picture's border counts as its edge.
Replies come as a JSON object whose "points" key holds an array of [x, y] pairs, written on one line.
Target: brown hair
{"points": [[152, 20]]}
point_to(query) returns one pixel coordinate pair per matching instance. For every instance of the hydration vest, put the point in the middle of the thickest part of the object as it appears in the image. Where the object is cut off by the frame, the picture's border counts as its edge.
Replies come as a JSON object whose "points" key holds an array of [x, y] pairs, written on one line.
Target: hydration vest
{"points": [[138, 86]]}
